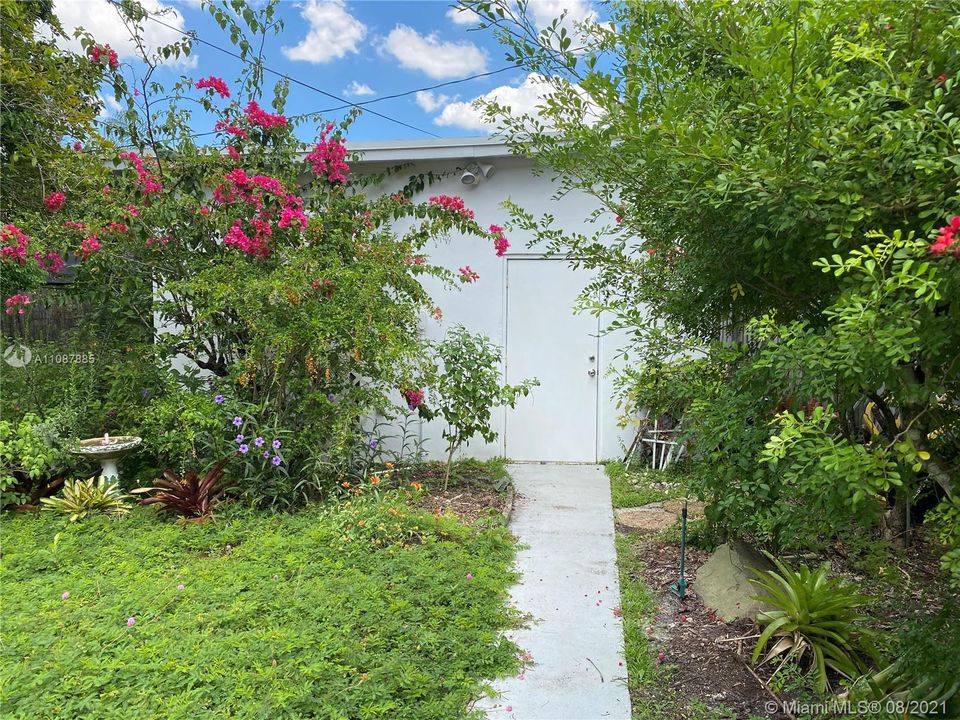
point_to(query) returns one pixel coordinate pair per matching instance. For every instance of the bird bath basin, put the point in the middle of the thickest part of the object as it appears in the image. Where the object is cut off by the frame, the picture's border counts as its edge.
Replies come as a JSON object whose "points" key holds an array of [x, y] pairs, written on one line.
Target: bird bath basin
{"points": [[107, 450]]}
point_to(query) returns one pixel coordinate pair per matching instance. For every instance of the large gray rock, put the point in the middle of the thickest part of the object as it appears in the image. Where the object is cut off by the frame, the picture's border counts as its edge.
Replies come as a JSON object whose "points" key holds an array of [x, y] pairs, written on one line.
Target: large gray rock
{"points": [[723, 581]]}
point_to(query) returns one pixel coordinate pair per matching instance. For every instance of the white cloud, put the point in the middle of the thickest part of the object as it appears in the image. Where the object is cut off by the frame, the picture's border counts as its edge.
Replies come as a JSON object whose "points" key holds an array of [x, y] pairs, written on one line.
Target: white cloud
{"points": [[432, 56], [110, 105], [333, 33], [101, 19], [545, 11], [462, 17], [430, 102], [357, 89], [522, 99]]}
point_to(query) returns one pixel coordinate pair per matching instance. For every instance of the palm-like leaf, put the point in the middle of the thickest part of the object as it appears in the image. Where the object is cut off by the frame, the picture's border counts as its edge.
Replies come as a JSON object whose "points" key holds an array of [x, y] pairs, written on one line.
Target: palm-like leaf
{"points": [[190, 495], [812, 612]]}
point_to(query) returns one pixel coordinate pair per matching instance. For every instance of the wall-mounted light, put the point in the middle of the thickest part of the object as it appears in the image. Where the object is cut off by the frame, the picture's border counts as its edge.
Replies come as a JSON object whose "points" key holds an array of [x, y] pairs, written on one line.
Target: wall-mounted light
{"points": [[475, 173]]}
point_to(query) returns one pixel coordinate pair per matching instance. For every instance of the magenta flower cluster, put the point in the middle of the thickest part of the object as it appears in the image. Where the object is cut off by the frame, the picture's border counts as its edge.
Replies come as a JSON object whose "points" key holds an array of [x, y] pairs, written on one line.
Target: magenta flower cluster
{"points": [[328, 158], [452, 203], [214, 83]]}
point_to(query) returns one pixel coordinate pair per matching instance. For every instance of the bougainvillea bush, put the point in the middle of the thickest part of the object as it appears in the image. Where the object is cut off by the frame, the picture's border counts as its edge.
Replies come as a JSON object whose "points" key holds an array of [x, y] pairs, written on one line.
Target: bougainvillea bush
{"points": [[252, 258]]}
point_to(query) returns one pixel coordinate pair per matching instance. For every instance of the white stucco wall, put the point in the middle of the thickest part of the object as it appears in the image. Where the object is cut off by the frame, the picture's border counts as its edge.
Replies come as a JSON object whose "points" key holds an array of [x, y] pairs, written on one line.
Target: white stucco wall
{"points": [[481, 306]]}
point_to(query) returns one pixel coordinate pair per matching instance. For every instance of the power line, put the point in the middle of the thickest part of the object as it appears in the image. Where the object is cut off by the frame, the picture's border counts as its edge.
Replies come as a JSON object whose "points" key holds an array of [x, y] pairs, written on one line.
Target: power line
{"points": [[423, 89], [196, 38]]}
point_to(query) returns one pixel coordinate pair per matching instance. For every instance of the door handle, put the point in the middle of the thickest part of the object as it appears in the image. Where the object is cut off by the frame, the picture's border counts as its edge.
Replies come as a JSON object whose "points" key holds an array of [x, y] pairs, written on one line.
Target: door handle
{"points": [[591, 372]]}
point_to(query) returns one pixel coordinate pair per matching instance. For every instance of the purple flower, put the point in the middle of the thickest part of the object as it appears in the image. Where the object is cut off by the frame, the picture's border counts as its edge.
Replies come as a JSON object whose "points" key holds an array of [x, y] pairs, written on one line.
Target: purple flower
{"points": [[131, 621], [373, 444], [180, 587], [146, 392], [243, 449], [258, 442], [238, 421], [276, 460], [111, 413], [469, 576], [238, 439], [266, 454], [65, 596], [219, 399], [276, 444], [332, 398]]}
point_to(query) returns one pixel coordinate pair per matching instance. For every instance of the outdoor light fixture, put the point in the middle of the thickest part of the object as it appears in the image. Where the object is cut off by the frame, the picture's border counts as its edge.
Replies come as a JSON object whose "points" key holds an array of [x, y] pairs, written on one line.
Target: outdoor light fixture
{"points": [[474, 173]]}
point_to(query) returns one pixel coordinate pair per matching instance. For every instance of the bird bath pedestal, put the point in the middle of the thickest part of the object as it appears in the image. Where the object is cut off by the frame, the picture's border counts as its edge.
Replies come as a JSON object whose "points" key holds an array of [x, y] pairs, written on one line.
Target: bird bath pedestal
{"points": [[107, 450]]}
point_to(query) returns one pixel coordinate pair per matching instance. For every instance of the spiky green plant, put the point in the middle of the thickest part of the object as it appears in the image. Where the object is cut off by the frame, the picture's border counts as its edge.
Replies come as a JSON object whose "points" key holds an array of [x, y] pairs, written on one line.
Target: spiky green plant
{"points": [[814, 621], [85, 497]]}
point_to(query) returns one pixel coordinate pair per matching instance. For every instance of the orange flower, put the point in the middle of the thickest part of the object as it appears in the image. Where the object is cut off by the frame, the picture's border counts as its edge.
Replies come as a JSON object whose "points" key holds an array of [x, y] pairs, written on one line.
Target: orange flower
{"points": [[416, 486], [345, 484], [389, 466], [361, 523], [375, 480]]}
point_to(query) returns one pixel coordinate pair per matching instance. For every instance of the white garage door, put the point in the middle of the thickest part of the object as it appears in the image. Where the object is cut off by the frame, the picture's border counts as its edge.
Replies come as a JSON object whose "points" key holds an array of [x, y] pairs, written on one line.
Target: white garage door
{"points": [[546, 340]]}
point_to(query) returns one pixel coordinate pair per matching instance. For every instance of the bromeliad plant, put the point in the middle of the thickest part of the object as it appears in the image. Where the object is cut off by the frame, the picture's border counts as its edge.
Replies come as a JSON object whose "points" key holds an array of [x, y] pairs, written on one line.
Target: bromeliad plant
{"points": [[85, 497], [814, 619], [190, 495]]}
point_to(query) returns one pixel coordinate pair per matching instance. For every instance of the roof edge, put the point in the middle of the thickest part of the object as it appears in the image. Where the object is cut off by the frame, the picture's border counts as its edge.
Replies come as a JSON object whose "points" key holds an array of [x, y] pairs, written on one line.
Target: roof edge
{"points": [[454, 148]]}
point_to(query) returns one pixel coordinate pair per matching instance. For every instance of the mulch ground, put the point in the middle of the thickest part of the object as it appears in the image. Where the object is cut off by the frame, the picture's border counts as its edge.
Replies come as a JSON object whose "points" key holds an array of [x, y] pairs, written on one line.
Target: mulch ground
{"points": [[468, 503], [707, 663]]}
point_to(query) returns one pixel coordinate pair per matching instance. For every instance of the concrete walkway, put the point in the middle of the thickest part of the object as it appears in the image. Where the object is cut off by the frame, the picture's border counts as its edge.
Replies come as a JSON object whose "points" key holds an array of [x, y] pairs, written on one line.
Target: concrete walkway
{"points": [[569, 588]]}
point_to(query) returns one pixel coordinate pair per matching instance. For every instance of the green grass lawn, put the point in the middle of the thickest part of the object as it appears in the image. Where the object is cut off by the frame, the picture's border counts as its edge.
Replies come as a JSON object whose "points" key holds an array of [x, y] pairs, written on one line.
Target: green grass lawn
{"points": [[636, 487], [364, 609]]}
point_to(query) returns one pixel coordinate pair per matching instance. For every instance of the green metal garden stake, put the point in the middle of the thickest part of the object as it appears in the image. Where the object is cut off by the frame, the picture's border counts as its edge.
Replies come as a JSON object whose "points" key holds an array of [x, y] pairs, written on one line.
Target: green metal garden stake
{"points": [[679, 588]]}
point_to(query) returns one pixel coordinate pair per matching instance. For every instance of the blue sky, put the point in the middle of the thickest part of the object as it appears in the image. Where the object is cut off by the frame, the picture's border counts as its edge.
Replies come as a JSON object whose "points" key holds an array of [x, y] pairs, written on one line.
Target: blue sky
{"points": [[356, 50]]}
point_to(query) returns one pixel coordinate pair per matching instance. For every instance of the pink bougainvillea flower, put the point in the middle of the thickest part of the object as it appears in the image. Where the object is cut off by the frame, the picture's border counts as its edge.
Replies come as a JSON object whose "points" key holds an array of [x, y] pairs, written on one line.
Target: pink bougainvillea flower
{"points": [[88, 247], [413, 396], [65, 596], [132, 210], [17, 304], [131, 621], [500, 242], [54, 201], [941, 78], [452, 203], [261, 118], [231, 128], [204, 210], [328, 159], [214, 83], [948, 238], [469, 576], [255, 245], [105, 189], [437, 314], [467, 275], [104, 52], [233, 152], [13, 244], [51, 261], [78, 146]]}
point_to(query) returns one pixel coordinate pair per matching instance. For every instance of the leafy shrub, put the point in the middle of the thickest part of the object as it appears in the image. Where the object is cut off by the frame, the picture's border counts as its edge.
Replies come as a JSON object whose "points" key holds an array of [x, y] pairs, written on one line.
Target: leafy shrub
{"points": [[190, 495], [923, 674], [945, 519], [31, 460], [469, 386], [81, 498], [814, 615]]}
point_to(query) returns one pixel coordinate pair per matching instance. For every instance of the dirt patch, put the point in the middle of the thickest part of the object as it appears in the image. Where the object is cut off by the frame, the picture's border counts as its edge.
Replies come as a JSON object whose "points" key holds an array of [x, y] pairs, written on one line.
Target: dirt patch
{"points": [[706, 661], [656, 516], [468, 503]]}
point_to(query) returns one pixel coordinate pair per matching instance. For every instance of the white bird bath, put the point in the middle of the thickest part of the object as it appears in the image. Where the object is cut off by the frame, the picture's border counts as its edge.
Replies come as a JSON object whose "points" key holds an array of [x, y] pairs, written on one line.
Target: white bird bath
{"points": [[107, 450]]}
